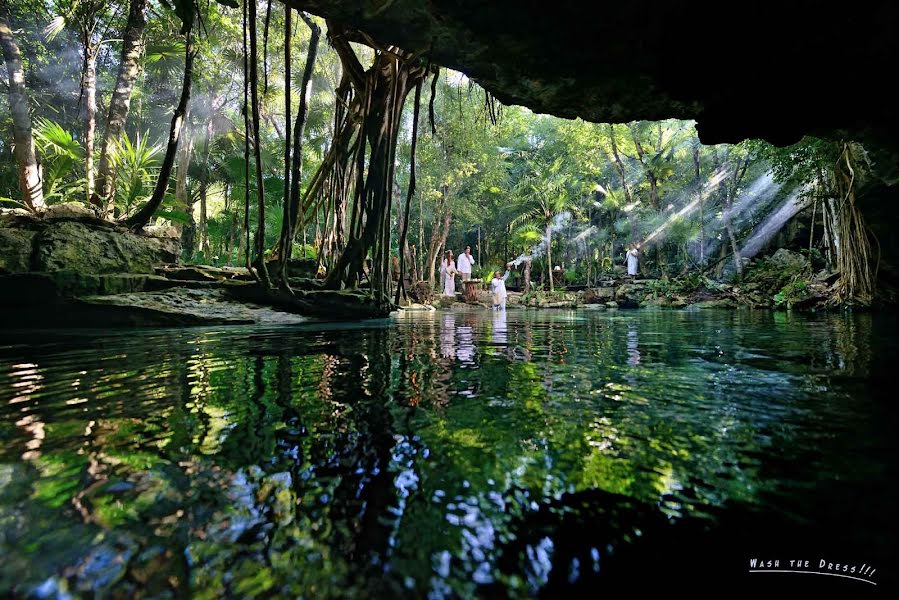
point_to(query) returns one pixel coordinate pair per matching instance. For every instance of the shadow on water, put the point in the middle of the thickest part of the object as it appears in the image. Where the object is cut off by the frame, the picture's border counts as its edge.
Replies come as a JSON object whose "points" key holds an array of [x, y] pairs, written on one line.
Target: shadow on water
{"points": [[450, 454]]}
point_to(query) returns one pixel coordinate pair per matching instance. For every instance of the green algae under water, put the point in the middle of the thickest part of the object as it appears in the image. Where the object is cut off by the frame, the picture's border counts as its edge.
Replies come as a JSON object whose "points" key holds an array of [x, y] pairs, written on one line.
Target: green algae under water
{"points": [[447, 454]]}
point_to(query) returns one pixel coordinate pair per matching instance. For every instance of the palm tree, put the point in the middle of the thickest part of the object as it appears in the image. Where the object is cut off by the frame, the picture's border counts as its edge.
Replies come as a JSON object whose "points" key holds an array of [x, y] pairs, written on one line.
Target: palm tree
{"points": [[542, 195]]}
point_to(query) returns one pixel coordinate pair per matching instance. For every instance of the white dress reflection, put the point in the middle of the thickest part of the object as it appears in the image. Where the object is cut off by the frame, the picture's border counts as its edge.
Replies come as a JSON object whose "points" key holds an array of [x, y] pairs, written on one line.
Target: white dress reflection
{"points": [[448, 336], [500, 332], [633, 351], [465, 350]]}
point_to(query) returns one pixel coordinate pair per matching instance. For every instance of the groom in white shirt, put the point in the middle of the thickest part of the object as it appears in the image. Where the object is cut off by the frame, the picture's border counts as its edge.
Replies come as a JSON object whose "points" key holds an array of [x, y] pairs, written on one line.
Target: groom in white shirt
{"points": [[465, 262]]}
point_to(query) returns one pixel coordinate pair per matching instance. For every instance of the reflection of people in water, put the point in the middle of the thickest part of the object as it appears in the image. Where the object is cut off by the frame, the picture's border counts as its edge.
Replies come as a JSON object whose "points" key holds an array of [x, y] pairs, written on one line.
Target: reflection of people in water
{"points": [[448, 336], [500, 332], [465, 352], [632, 345]]}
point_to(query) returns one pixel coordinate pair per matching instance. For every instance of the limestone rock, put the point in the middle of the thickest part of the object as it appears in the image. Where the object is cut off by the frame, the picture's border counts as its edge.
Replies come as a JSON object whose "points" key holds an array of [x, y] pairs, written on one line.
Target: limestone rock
{"points": [[598, 295], [719, 303], [15, 250], [74, 211], [74, 245], [629, 295], [788, 259], [421, 292]]}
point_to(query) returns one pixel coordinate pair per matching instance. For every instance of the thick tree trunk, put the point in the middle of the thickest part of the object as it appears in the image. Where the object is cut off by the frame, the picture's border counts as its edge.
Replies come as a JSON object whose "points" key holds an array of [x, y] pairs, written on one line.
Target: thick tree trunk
{"points": [[856, 260], [120, 103], [30, 183], [143, 216], [89, 86]]}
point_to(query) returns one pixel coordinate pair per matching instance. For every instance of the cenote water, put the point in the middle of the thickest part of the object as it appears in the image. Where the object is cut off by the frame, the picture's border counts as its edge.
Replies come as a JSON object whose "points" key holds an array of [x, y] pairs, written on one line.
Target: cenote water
{"points": [[448, 454]]}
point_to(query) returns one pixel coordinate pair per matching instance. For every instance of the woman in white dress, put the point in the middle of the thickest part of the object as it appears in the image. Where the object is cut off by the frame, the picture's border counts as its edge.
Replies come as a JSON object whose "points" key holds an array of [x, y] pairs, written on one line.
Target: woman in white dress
{"points": [[449, 269], [631, 259]]}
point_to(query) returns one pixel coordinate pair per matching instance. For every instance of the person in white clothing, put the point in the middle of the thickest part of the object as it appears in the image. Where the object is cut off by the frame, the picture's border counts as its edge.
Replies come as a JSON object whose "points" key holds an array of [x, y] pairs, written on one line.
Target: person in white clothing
{"points": [[632, 260], [449, 269], [466, 262], [498, 287]]}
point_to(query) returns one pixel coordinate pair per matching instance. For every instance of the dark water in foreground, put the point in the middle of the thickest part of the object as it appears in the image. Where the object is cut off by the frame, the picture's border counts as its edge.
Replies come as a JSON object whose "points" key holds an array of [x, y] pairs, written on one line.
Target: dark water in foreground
{"points": [[450, 454]]}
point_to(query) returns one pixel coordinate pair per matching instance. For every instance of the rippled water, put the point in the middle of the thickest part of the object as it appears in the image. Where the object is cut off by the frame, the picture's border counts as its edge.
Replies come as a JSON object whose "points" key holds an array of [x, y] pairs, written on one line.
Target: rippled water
{"points": [[447, 454]]}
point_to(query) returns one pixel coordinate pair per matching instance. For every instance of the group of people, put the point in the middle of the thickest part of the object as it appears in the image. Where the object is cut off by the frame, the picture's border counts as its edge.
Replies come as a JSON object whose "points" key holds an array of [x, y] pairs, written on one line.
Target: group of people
{"points": [[449, 269]]}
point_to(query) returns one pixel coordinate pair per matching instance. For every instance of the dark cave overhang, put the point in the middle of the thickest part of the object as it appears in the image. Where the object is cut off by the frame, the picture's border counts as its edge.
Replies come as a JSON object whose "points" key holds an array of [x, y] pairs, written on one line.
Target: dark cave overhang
{"points": [[771, 70]]}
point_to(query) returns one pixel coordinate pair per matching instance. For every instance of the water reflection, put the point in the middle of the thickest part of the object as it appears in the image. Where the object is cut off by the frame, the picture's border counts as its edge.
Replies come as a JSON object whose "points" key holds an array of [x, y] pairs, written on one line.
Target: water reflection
{"points": [[633, 350], [448, 454]]}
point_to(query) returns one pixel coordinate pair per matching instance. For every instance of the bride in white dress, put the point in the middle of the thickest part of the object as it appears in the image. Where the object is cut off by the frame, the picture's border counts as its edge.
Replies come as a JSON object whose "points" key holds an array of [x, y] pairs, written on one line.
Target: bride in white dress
{"points": [[448, 269]]}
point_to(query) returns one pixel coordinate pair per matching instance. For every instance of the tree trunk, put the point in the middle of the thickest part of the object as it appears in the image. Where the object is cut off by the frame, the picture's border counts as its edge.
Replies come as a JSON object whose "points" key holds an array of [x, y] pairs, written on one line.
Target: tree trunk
{"points": [[143, 216], [384, 86], [293, 207], [654, 199], [439, 233], [700, 200], [259, 263], [182, 194], [29, 170], [120, 103], [89, 85], [204, 189], [421, 237], [619, 166], [735, 247], [730, 195], [622, 175], [404, 228], [527, 276], [204, 224], [549, 260], [856, 261]]}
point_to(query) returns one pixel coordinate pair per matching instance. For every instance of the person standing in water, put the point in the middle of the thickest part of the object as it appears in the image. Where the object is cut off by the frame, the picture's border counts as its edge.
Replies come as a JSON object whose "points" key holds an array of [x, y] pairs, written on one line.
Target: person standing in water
{"points": [[449, 269], [632, 260], [498, 287], [466, 262]]}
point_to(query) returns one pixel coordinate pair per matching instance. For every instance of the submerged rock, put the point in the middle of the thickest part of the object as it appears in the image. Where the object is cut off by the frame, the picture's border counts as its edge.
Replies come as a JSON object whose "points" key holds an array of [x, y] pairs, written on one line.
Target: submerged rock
{"points": [[717, 303], [188, 306]]}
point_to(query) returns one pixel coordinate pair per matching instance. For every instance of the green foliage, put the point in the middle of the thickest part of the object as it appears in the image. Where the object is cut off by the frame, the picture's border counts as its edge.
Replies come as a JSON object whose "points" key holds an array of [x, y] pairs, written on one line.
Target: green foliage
{"points": [[790, 293], [305, 251], [137, 167], [502, 183], [62, 157], [675, 287]]}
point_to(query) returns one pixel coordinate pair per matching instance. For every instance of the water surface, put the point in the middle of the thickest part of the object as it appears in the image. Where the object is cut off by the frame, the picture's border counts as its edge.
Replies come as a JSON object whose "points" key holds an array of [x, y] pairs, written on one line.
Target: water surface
{"points": [[447, 454]]}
